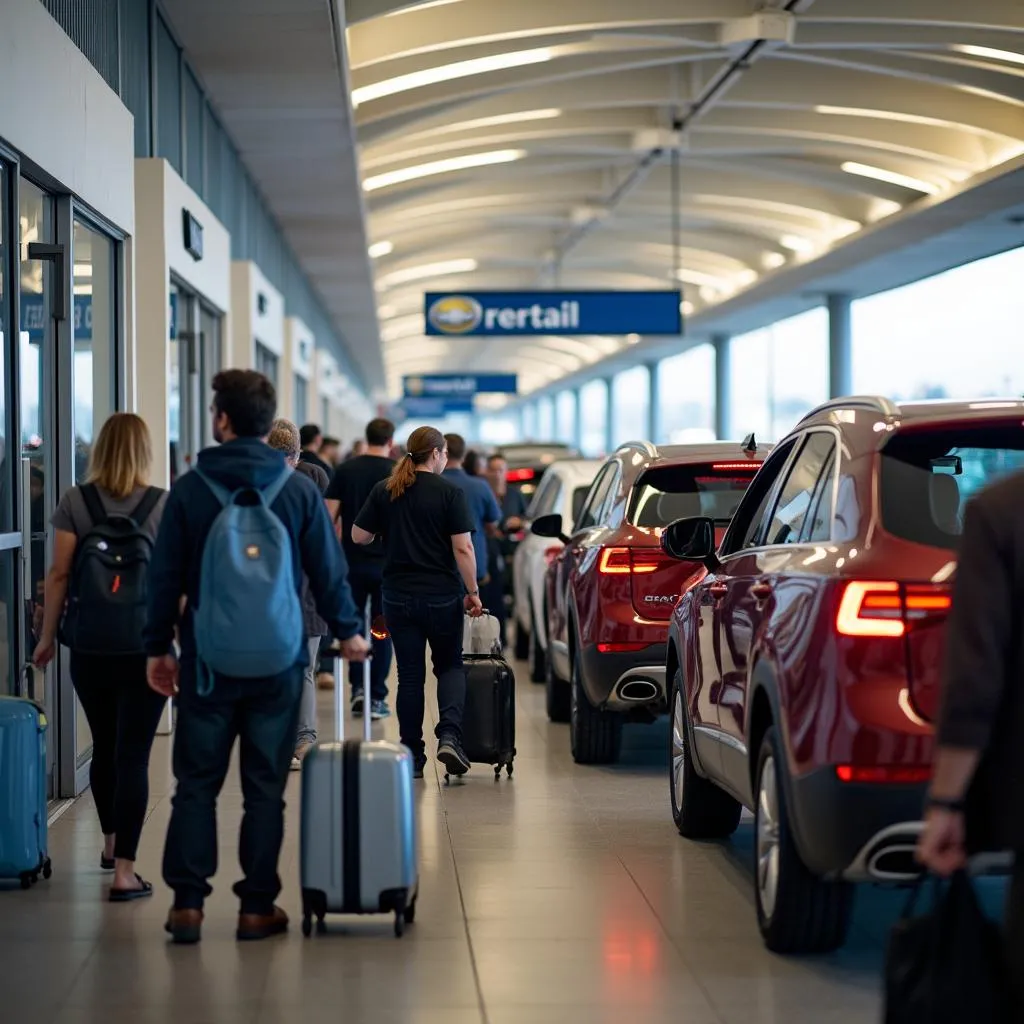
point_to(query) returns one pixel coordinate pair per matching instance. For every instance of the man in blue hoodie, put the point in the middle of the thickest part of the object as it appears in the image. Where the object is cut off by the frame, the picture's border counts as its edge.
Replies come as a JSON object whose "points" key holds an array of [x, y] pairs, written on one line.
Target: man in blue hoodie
{"points": [[261, 713]]}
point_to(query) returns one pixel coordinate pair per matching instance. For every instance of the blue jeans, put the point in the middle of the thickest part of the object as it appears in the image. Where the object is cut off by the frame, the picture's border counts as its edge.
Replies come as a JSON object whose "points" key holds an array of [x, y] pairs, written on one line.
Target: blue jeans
{"points": [[263, 715], [414, 621], [366, 585]]}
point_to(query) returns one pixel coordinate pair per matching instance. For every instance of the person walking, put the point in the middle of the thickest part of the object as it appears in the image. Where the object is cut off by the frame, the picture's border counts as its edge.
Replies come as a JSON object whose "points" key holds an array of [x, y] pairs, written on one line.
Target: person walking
{"points": [[479, 500], [311, 439], [499, 547], [216, 708], [975, 801], [122, 711], [330, 452], [284, 437], [429, 581], [351, 485]]}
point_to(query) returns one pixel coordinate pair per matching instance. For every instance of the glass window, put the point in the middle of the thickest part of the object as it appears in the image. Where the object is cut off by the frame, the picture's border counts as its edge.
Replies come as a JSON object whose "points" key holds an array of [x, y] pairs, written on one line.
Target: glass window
{"points": [[544, 499], [686, 397], [818, 525], [579, 495], [595, 497], [195, 134], [545, 419], [631, 400], [911, 342], [530, 422], [266, 363], [212, 361], [746, 524], [300, 399], [778, 374], [795, 497], [565, 417], [594, 418], [7, 461], [95, 338], [168, 96], [927, 477], [499, 429], [667, 493]]}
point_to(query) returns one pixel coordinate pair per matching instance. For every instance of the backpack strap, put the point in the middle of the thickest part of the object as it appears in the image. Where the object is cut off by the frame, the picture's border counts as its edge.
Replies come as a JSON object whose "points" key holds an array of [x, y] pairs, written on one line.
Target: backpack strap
{"points": [[222, 494], [93, 503], [146, 505], [271, 491]]}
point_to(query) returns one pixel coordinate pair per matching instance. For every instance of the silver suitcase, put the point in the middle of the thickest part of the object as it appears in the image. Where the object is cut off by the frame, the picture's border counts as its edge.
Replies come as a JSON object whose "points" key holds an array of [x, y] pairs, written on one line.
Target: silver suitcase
{"points": [[358, 833]]}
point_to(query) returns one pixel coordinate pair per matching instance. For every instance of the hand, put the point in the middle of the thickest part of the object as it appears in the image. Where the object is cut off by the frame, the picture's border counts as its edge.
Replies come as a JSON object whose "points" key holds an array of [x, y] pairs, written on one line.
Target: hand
{"points": [[44, 653], [473, 606], [355, 648], [513, 524], [162, 675], [941, 846]]}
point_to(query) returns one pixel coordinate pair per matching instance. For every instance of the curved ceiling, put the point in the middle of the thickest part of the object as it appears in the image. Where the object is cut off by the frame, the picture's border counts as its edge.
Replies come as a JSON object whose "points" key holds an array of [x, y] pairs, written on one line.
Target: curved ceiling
{"points": [[517, 145]]}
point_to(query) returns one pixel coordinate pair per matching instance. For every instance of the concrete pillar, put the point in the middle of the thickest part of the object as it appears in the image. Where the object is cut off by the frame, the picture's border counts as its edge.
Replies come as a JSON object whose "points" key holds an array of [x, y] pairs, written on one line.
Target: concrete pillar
{"points": [[723, 411], [840, 345], [609, 422], [653, 403], [577, 429]]}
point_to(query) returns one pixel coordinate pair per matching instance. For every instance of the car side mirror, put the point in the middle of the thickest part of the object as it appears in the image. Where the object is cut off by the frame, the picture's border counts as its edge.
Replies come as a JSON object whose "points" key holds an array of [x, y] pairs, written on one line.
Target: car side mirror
{"points": [[691, 540], [549, 526]]}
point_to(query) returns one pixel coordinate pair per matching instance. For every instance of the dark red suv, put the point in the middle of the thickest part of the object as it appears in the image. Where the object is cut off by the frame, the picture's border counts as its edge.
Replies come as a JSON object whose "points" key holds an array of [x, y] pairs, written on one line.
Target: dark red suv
{"points": [[610, 592], [805, 664]]}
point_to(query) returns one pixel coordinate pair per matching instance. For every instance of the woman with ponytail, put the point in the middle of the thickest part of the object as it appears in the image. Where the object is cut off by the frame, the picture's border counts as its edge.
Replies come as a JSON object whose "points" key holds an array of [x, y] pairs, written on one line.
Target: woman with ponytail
{"points": [[429, 581]]}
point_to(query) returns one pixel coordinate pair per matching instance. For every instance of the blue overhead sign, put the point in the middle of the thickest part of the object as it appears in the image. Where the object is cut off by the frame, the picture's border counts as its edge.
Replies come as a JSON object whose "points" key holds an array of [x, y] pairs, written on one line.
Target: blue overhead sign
{"points": [[520, 314], [462, 385], [432, 408]]}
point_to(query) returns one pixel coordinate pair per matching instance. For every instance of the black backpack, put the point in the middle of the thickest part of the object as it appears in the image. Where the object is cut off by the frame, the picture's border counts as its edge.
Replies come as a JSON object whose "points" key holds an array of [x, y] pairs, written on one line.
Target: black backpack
{"points": [[106, 608]]}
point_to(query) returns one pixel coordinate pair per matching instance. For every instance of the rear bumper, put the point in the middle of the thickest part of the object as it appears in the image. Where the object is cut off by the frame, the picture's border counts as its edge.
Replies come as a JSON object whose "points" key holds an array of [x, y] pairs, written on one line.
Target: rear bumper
{"points": [[625, 680], [856, 831]]}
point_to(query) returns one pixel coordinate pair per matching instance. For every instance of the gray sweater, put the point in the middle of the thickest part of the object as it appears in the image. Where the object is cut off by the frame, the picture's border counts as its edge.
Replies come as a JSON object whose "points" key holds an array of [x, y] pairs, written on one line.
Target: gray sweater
{"points": [[311, 621]]}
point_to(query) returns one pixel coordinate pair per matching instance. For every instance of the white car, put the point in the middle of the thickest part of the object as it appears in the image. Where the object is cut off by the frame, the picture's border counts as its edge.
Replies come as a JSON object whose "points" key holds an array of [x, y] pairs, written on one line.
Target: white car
{"points": [[562, 489]]}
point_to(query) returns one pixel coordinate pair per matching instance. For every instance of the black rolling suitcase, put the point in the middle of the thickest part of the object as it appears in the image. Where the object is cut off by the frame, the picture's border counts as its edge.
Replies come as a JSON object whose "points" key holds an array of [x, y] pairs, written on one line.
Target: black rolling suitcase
{"points": [[489, 720]]}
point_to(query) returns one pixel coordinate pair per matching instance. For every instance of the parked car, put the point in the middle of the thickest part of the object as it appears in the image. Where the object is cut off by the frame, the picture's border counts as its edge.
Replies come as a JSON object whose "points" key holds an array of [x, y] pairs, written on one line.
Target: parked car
{"points": [[562, 490], [805, 665], [610, 592]]}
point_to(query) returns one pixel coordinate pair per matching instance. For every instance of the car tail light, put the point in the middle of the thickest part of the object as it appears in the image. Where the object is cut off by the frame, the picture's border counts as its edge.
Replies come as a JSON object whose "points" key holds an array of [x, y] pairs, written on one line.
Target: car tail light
{"points": [[517, 476], [551, 553], [885, 609], [906, 774], [631, 561], [725, 467], [621, 648]]}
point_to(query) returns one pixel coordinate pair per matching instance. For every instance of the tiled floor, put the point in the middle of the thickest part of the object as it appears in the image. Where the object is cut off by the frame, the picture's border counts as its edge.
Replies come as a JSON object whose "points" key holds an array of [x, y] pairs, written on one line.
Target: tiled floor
{"points": [[562, 896]]}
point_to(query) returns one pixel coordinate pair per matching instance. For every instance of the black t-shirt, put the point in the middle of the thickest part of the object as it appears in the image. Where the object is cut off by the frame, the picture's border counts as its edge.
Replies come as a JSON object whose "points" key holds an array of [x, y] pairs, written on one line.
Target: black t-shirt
{"points": [[417, 531], [351, 486], [314, 460]]}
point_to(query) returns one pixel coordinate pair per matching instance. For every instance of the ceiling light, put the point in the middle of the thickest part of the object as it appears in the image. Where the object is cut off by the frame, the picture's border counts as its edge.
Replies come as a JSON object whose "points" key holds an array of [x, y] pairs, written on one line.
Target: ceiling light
{"points": [[421, 7], [455, 163], [427, 270], [83, 270], [686, 307], [386, 312], [891, 177], [991, 94], [772, 260], [796, 243], [699, 277], [491, 122], [449, 72], [379, 249], [885, 115], [992, 54], [746, 277], [632, 339], [709, 294]]}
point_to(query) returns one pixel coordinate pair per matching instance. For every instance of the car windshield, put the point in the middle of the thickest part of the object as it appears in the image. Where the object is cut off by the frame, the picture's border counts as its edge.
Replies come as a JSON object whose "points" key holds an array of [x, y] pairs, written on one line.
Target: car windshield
{"points": [[667, 493], [928, 476]]}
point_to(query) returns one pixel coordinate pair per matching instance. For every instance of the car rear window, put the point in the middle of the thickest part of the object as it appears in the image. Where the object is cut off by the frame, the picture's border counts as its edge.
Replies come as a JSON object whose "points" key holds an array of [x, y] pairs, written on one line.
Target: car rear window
{"points": [[667, 493], [928, 476]]}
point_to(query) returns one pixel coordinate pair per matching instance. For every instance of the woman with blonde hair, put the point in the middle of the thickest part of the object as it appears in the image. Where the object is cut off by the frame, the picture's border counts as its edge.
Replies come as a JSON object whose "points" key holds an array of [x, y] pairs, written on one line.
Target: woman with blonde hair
{"points": [[114, 509], [429, 580]]}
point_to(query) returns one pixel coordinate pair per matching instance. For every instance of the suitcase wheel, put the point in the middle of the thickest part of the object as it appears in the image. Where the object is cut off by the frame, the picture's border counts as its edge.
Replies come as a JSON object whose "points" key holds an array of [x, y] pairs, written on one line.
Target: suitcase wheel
{"points": [[47, 868], [410, 912], [307, 925], [26, 880], [399, 924]]}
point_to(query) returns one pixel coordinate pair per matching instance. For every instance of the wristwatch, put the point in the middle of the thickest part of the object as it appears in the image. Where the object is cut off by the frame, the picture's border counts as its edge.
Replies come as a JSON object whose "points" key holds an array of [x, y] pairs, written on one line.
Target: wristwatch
{"points": [[945, 803], [474, 593]]}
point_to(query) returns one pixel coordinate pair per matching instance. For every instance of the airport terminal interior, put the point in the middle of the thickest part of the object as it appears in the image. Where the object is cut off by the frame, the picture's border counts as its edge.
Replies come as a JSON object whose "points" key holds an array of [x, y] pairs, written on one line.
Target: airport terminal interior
{"points": [[620, 245]]}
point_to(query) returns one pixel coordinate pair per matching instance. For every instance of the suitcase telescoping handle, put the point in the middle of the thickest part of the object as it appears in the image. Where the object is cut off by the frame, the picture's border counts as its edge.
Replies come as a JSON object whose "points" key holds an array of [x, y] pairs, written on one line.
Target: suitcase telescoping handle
{"points": [[339, 702]]}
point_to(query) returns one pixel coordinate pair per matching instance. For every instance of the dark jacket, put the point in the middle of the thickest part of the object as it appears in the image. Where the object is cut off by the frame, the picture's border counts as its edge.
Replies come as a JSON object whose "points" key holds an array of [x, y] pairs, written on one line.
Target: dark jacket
{"points": [[982, 704], [311, 621], [190, 512]]}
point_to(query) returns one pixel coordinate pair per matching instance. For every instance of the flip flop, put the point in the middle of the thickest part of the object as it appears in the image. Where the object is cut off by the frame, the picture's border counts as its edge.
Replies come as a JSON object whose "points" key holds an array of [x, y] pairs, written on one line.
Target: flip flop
{"points": [[127, 895], [107, 863]]}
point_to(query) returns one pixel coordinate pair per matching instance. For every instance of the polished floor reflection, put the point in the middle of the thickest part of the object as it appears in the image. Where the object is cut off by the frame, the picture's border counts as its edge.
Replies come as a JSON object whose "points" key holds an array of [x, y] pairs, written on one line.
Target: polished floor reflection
{"points": [[562, 896]]}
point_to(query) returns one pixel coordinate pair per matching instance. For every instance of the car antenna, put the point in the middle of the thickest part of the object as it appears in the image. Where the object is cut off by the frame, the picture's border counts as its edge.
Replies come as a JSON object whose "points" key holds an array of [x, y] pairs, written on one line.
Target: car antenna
{"points": [[750, 444]]}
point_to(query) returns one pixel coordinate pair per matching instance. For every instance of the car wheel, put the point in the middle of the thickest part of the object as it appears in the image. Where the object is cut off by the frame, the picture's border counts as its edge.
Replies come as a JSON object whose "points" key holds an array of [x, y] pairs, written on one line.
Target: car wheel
{"points": [[522, 645], [596, 736], [538, 668], [797, 911], [699, 808]]}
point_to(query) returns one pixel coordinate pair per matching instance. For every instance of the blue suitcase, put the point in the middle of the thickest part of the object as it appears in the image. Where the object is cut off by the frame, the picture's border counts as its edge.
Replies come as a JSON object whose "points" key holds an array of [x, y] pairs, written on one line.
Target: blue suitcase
{"points": [[23, 850]]}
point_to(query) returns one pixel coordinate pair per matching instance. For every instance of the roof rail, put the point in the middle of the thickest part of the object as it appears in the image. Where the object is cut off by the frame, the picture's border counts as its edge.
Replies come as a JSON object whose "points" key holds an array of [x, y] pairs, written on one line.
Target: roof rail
{"points": [[646, 447], [879, 403]]}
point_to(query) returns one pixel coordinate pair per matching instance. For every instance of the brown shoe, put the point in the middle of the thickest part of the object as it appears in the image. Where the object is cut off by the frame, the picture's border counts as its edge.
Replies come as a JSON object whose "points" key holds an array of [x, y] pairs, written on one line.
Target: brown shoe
{"points": [[325, 680], [185, 926], [253, 927]]}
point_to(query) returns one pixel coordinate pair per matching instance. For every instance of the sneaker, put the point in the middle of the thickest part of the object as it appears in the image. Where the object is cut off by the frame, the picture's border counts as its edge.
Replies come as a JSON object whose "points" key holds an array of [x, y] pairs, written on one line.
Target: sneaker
{"points": [[356, 707], [418, 766], [325, 680], [452, 756], [379, 709]]}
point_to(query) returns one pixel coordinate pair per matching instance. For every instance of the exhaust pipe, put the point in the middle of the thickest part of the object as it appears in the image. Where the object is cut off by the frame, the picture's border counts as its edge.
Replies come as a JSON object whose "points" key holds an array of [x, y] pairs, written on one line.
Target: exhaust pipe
{"points": [[638, 691], [893, 863]]}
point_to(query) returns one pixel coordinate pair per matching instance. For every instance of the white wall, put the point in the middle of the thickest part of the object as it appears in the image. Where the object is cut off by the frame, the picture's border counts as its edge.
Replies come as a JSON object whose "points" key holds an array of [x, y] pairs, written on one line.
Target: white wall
{"points": [[160, 196], [248, 324], [58, 111], [296, 361]]}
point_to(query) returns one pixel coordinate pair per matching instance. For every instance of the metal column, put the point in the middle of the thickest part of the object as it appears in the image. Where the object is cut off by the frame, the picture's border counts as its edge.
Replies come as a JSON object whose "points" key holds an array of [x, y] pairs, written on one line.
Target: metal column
{"points": [[723, 413], [840, 345], [609, 425], [653, 409], [577, 431]]}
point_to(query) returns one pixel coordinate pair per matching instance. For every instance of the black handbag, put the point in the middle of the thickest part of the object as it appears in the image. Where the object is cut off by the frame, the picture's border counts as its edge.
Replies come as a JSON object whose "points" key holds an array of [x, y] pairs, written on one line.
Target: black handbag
{"points": [[948, 965]]}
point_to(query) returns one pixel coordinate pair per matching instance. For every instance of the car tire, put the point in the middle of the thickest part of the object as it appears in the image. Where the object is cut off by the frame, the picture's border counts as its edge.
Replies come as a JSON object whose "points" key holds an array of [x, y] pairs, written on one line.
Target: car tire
{"points": [[595, 735], [522, 643], [700, 809], [797, 912], [538, 660]]}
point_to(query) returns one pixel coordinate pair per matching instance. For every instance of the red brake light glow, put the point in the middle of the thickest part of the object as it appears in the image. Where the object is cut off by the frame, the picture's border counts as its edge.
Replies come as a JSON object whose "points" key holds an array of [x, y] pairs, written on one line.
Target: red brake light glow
{"points": [[517, 476], [621, 648], [551, 553], [883, 609], [615, 562], [725, 467], [897, 774], [631, 561]]}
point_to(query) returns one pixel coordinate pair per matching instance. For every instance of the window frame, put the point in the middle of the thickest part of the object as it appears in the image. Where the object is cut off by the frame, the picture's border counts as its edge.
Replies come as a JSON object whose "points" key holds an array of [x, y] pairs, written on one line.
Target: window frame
{"points": [[761, 496]]}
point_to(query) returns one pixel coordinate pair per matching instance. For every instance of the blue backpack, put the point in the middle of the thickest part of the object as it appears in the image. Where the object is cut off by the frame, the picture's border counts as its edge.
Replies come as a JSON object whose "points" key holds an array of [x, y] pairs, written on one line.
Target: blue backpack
{"points": [[249, 620]]}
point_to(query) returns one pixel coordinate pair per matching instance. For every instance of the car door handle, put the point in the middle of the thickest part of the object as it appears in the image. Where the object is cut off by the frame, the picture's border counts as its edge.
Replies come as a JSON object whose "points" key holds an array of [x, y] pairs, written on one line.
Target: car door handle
{"points": [[718, 590], [761, 591]]}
